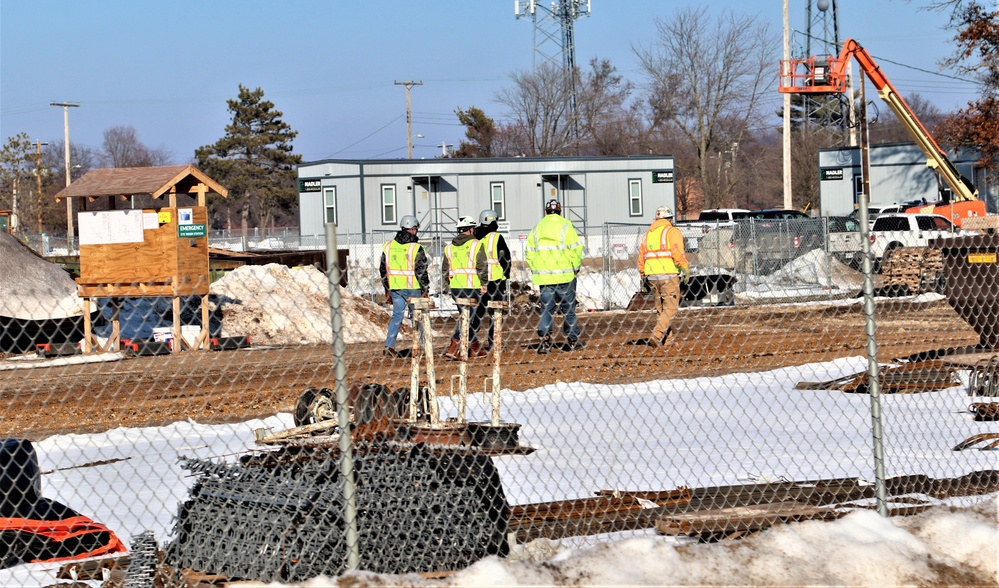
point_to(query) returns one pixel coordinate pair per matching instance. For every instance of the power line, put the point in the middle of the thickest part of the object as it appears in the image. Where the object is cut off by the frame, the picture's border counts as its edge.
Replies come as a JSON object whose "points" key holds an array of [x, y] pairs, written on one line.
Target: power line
{"points": [[368, 136]]}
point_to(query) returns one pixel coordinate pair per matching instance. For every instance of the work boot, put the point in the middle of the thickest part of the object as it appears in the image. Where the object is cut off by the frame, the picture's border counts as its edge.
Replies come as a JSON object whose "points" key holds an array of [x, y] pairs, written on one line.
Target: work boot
{"points": [[475, 350], [452, 349], [391, 352], [545, 346], [574, 344]]}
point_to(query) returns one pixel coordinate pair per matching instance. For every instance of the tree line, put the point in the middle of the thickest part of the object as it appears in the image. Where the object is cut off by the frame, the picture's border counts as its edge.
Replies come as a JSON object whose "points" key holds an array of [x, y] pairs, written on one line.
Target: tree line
{"points": [[706, 96]]}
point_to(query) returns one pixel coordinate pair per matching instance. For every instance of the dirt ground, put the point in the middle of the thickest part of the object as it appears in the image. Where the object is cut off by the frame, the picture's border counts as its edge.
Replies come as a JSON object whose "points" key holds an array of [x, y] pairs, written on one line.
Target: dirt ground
{"points": [[232, 386]]}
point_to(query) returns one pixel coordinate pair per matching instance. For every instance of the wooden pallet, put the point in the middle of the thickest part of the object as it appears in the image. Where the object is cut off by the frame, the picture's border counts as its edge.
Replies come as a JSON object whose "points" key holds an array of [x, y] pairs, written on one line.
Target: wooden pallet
{"points": [[914, 269]]}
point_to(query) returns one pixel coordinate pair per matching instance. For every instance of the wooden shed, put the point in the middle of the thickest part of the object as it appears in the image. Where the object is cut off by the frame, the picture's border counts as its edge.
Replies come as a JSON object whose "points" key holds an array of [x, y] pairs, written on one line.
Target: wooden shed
{"points": [[135, 253]]}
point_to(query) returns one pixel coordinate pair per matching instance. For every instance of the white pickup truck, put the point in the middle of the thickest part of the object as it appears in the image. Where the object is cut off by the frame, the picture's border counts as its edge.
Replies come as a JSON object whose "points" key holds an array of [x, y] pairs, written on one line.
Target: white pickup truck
{"points": [[891, 231], [707, 221]]}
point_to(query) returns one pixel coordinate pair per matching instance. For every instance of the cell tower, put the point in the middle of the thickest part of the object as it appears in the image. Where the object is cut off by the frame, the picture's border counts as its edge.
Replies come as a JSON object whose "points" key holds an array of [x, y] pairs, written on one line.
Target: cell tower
{"points": [[822, 38], [553, 29], [554, 39]]}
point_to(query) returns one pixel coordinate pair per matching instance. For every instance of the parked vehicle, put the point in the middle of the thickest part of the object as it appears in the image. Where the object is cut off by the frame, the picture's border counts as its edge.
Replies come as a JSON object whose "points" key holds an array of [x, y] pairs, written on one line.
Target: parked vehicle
{"points": [[777, 213], [844, 239], [708, 220], [894, 231], [762, 246], [876, 210]]}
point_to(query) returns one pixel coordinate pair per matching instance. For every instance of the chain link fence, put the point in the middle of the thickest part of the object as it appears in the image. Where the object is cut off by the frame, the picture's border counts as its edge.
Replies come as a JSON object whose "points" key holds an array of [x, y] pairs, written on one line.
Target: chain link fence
{"points": [[190, 444]]}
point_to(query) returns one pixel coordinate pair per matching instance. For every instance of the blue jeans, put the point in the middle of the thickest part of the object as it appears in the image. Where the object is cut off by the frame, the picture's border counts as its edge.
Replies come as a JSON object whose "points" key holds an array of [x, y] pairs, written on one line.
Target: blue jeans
{"points": [[474, 318], [565, 296], [399, 304]]}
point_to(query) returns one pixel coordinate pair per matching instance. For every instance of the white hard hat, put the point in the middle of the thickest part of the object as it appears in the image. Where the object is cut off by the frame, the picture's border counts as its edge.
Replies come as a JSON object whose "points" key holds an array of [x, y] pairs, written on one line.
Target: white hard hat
{"points": [[409, 222], [465, 223], [664, 212]]}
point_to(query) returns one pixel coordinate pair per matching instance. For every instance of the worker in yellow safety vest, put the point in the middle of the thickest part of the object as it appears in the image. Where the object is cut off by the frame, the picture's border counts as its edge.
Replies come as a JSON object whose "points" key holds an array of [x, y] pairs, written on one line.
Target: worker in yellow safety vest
{"points": [[467, 270], [499, 261], [554, 253], [403, 269], [662, 264]]}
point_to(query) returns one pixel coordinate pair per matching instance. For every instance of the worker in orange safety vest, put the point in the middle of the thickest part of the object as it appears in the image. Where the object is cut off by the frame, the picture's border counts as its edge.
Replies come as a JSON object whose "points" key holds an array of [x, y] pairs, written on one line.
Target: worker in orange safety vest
{"points": [[662, 264]]}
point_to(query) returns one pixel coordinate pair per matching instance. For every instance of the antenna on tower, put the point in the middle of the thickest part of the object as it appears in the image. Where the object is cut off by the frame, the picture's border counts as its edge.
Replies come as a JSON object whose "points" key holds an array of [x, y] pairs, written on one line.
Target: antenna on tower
{"points": [[553, 29], [554, 38]]}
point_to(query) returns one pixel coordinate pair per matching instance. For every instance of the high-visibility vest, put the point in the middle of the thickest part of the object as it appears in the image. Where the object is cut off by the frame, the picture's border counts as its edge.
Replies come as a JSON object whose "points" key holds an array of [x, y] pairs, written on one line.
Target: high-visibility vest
{"points": [[553, 251], [491, 246], [461, 264], [658, 255], [400, 265]]}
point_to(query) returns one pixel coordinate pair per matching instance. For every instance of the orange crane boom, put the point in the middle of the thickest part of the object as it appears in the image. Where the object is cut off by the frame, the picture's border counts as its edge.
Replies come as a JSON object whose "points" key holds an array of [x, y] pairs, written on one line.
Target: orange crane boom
{"points": [[827, 74]]}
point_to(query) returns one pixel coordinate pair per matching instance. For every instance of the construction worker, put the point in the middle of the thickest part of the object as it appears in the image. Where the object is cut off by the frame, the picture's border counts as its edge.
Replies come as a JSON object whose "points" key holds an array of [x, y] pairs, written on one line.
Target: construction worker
{"points": [[498, 259], [554, 254], [663, 263], [467, 270], [403, 268]]}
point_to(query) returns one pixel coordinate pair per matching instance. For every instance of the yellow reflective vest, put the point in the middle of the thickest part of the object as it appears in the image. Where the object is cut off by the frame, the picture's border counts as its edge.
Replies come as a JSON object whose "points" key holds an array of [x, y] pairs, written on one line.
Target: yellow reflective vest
{"points": [[400, 265], [658, 251], [491, 246], [461, 264], [553, 251]]}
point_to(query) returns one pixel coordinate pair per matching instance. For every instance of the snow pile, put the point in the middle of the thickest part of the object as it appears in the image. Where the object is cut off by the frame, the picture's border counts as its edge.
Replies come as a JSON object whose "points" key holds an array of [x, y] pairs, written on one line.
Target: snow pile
{"points": [[32, 288], [815, 267], [278, 305]]}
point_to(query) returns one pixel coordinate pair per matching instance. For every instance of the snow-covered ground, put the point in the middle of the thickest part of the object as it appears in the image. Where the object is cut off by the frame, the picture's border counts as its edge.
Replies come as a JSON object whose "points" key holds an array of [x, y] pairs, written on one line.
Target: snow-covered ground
{"points": [[654, 436]]}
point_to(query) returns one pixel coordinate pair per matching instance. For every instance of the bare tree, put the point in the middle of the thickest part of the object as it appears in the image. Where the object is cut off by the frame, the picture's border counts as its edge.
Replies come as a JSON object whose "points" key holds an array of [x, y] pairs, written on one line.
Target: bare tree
{"points": [[606, 125], [540, 103], [886, 128], [712, 81], [122, 148]]}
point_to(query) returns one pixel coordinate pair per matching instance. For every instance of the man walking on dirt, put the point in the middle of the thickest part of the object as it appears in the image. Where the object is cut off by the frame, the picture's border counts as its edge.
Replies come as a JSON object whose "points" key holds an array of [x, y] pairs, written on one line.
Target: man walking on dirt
{"points": [[467, 271], [403, 268], [662, 261], [554, 254], [498, 260]]}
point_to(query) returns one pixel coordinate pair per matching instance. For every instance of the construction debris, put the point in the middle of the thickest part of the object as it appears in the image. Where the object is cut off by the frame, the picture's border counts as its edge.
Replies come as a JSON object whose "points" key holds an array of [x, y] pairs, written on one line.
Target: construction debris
{"points": [[731, 512], [977, 439], [921, 376], [985, 411], [984, 378]]}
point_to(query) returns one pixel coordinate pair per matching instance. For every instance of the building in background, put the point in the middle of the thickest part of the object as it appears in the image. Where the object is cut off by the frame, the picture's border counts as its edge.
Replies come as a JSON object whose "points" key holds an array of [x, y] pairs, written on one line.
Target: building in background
{"points": [[898, 174], [369, 197]]}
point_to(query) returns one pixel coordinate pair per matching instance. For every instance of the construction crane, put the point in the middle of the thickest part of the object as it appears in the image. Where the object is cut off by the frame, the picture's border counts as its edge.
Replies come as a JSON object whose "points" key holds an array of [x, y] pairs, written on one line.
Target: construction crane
{"points": [[827, 74]]}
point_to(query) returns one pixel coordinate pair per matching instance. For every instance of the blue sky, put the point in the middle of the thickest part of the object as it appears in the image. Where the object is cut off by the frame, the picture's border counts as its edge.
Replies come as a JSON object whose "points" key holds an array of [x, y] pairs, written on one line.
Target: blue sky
{"points": [[167, 68]]}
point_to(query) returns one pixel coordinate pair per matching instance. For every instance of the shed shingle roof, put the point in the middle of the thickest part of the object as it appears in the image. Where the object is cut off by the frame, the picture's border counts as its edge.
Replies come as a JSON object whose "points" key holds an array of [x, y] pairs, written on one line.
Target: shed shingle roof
{"points": [[129, 181]]}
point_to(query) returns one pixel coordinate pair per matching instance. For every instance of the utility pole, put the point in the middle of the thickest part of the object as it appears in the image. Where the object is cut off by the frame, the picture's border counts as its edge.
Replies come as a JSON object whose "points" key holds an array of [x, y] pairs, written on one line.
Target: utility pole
{"points": [[785, 65], [409, 117], [38, 174], [69, 172], [444, 147]]}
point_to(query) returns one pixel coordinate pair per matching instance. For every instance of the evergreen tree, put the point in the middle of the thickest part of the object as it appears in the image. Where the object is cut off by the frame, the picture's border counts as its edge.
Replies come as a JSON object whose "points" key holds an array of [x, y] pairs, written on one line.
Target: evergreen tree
{"points": [[479, 130], [254, 161]]}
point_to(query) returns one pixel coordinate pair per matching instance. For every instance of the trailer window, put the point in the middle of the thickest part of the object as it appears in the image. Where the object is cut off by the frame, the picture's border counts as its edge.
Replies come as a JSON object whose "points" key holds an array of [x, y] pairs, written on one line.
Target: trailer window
{"points": [[329, 204], [634, 197], [497, 199], [388, 204]]}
